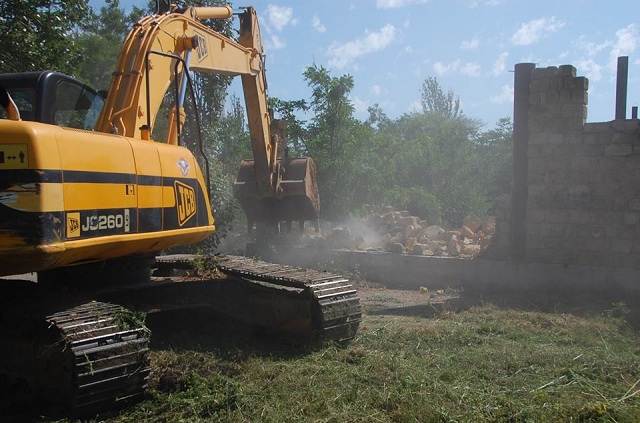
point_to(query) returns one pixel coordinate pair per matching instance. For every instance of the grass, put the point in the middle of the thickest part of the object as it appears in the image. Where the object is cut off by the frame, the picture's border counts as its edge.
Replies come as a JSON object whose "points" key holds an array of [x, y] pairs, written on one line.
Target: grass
{"points": [[482, 364]]}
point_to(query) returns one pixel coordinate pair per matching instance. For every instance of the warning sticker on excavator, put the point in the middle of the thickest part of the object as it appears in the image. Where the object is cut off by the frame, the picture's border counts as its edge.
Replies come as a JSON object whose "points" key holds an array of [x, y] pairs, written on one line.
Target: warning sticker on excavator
{"points": [[14, 156]]}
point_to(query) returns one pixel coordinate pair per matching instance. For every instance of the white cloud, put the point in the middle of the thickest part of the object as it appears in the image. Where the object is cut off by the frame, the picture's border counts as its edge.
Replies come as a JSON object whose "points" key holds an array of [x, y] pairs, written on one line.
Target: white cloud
{"points": [[627, 40], [470, 69], [442, 69], [592, 49], [315, 22], [457, 66], [590, 69], [505, 95], [376, 90], [273, 42], [343, 54], [415, 106], [492, 3], [499, 66], [530, 32], [279, 17], [470, 44], [360, 106], [394, 4]]}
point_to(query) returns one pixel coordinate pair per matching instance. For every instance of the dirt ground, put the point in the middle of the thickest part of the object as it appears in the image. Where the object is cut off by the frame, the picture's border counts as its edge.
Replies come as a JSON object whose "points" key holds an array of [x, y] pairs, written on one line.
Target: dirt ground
{"points": [[379, 300]]}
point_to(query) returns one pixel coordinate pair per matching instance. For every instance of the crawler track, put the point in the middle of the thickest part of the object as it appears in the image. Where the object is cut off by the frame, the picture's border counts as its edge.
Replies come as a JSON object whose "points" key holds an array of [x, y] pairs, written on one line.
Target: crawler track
{"points": [[338, 305], [322, 307], [99, 355]]}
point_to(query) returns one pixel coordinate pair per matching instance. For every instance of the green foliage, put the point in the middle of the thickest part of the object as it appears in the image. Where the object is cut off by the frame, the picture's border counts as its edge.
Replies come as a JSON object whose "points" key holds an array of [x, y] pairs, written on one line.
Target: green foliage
{"points": [[296, 132], [482, 364], [231, 141], [331, 138], [434, 100], [438, 154], [38, 35], [494, 148], [101, 42], [436, 163]]}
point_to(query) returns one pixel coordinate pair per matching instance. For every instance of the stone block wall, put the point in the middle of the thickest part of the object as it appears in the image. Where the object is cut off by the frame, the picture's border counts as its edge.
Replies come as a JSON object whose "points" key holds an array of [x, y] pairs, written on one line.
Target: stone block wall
{"points": [[583, 202]]}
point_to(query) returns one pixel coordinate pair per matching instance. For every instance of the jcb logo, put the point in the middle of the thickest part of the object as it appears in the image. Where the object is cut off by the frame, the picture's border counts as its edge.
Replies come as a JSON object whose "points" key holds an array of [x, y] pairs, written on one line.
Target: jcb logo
{"points": [[73, 225], [201, 48], [185, 202]]}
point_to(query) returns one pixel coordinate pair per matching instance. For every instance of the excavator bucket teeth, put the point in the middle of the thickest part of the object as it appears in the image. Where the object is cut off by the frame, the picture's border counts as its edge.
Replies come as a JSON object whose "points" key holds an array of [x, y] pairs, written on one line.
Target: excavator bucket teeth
{"points": [[296, 198]]}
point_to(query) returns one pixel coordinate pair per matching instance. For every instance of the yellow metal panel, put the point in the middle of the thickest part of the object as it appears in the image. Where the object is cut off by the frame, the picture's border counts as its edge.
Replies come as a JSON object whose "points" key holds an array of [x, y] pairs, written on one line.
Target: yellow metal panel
{"points": [[145, 154], [150, 196], [125, 244], [176, 162], [87, 196], [39, 140], [168, 197], [147, 162], [94, 152]]}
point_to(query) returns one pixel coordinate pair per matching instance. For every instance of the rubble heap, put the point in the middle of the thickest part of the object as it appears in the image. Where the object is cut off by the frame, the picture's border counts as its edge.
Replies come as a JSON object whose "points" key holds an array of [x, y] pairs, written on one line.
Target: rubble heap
{"points": [[401, 233]]}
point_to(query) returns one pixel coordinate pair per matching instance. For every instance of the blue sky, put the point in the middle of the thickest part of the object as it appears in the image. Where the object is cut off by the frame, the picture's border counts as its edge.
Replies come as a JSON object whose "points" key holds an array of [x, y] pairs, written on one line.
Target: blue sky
{"points": [[471, 46]]}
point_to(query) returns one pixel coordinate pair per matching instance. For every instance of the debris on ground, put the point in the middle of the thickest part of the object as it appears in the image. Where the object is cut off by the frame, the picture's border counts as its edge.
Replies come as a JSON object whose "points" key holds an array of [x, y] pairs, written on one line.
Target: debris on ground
{"points": [[398, 232]]}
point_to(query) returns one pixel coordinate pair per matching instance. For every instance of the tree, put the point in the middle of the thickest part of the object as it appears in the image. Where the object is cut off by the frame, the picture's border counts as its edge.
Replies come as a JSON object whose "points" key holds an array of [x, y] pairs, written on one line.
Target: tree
{"points": [[101, 43], [331, 137], [296, 132], [333, 111], [495, 148], [433, 99], [39, 35]]}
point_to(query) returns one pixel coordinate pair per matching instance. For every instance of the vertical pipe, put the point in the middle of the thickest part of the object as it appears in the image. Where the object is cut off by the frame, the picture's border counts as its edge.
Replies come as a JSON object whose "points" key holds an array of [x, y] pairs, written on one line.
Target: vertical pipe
{"points": [[519, 186], [621, 87]]}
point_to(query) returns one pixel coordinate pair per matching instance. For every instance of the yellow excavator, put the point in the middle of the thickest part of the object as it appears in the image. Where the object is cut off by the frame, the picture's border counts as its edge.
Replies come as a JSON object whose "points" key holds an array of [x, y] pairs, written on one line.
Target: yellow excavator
{"points": [[88, 201]]}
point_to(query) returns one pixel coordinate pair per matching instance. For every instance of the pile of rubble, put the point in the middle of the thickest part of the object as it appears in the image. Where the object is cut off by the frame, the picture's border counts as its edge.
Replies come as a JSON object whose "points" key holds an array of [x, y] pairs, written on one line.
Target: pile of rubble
{"points": [[401, 233]]}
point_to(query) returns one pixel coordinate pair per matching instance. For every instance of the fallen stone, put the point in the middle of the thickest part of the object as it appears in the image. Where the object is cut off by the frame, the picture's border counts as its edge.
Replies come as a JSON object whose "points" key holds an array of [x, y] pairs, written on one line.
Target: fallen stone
{"points": [[433, 232], [472, 222], [467, 232], [469, 250]]}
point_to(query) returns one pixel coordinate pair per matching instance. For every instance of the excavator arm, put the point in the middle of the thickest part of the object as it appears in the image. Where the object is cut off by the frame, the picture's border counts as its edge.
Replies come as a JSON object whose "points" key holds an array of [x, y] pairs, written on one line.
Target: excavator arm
{"points": [[162, 49]]}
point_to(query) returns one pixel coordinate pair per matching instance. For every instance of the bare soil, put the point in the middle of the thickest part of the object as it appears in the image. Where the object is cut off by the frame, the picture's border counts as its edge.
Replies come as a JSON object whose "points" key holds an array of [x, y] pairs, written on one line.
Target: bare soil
{"points": [[379, 300]]}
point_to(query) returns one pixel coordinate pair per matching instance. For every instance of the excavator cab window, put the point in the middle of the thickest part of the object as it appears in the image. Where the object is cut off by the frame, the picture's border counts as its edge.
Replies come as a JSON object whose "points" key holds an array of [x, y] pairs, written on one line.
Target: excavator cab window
{"points": [[24, 99], [76, 106]]}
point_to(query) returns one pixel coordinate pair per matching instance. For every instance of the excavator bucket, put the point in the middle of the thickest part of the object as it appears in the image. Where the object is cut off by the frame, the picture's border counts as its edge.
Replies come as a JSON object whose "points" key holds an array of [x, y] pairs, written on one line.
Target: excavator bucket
{"points": [[297, 198]]}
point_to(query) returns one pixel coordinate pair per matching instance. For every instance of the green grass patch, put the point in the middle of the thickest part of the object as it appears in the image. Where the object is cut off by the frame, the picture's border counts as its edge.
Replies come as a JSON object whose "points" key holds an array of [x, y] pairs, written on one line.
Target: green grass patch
{"points": [[482, 364]]}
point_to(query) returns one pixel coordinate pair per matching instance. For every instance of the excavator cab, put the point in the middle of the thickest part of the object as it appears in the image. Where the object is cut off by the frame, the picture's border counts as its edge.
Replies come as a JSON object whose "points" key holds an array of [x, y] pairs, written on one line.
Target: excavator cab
{"points": [[53, 98]]}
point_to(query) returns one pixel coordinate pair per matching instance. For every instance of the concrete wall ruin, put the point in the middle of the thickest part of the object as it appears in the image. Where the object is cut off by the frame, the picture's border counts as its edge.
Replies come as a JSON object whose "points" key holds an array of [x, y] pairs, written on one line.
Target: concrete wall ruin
{"points": [[581, 201], [570, 228]]}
